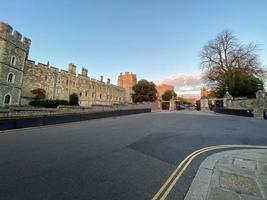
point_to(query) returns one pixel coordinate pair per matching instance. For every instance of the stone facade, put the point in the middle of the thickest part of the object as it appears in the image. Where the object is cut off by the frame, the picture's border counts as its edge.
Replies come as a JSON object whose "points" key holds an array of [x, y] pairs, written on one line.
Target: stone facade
{"points": [[19, 76]]}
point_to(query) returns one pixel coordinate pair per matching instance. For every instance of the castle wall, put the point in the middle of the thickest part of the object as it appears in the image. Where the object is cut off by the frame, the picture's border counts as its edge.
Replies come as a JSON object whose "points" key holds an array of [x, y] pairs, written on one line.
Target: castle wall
{"points": [[59, 84]]}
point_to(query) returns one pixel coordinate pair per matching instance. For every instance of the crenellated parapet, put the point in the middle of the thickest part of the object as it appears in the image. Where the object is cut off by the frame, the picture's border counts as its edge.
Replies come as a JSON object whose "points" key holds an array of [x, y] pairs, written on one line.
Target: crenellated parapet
{"points": [[7, 33]]}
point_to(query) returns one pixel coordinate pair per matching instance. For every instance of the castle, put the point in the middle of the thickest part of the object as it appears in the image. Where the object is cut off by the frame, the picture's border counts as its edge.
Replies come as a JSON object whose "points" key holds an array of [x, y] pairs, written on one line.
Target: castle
{"points": [[19, 76]]}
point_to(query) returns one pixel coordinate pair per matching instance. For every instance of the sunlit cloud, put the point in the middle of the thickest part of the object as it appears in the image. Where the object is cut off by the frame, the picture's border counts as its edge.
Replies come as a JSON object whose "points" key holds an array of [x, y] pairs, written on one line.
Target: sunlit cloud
{"points": [[186, 85]]}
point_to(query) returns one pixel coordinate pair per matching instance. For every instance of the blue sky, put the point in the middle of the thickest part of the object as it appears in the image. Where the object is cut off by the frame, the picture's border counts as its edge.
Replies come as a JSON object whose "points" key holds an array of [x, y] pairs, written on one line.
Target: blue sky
{"points": [[156, 39]]}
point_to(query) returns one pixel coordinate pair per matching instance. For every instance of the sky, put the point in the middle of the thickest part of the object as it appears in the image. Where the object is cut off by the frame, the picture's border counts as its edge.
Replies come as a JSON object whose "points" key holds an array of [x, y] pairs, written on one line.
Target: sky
{"points": [[159, 40]]}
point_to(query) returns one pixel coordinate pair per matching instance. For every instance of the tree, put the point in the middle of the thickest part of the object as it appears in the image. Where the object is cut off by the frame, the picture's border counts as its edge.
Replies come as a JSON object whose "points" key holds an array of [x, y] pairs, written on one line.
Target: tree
{"points": [[74, 99], [144, 91], [168, 94], [229, 64], [38, 93]]}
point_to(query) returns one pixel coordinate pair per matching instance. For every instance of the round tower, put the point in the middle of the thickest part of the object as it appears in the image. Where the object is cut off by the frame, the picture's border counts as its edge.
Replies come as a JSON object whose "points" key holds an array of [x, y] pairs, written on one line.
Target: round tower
{"points": [[13, 52]]}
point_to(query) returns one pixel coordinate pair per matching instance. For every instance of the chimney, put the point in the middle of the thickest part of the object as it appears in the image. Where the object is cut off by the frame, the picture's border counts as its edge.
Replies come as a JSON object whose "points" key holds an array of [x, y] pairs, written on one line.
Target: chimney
{"points": [[101, 78], [108, 80]]}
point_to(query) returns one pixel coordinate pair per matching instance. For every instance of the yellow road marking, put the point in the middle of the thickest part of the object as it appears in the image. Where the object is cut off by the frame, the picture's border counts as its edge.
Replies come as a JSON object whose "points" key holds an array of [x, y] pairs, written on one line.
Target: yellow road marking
{"points": [[189, 159]]}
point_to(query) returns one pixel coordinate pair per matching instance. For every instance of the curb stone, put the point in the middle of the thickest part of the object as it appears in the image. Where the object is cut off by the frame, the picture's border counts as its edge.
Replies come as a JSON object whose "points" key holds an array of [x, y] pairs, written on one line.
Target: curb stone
{"points": [[207, 182]]}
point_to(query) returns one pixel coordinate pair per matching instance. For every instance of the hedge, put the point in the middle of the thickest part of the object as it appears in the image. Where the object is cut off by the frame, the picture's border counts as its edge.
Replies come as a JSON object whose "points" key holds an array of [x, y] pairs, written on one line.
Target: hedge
{"points": [[48, 103]]}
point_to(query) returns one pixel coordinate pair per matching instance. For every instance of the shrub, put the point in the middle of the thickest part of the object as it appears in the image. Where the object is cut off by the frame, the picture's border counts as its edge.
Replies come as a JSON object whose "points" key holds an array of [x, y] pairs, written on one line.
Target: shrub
{"points": [[48, 103], [74, 99], [39, 93]]}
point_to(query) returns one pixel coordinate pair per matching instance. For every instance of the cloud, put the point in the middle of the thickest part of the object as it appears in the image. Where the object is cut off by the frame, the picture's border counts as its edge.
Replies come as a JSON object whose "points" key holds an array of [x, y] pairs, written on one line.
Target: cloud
{"points": [[186, 85]]}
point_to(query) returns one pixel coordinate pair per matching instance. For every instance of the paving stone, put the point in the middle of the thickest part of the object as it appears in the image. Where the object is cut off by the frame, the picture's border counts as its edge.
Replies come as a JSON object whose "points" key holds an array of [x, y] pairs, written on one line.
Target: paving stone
{"points": [[220, 194], [245, 163], [246, 197], [239, 184], [265, 168]]}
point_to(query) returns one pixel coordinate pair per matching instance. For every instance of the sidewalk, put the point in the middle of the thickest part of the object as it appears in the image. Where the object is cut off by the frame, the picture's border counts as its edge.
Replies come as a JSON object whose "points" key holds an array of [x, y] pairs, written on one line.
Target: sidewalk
{"points": [[231, 175]]}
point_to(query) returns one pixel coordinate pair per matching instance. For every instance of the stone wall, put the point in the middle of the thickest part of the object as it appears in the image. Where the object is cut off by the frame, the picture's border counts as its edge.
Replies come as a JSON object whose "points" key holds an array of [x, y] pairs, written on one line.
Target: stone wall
{"points": [[241, 104], [29, 111]]}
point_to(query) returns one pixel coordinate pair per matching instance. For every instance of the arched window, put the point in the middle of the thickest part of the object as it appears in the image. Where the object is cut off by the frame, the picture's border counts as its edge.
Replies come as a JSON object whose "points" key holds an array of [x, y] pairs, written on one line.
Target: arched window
{"points": [[13, 60], [7, 99], [10, 77]]}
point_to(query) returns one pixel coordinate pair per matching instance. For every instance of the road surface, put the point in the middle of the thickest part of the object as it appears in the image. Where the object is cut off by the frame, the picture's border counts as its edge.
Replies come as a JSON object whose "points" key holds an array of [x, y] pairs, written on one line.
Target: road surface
{"points": [[127, 157]]}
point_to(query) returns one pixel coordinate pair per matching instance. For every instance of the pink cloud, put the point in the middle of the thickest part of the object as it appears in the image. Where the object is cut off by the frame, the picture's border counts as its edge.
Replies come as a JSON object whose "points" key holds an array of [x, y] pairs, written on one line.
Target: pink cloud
{"points": [[182, 80], [186, 85]]}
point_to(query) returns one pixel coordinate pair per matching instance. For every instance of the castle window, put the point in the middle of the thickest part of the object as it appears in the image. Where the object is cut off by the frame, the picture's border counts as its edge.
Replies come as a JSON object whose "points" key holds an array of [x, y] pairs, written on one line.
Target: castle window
{"points": [[13, 60], [10, 77], [100, 96], [86, 94], [7, 99], [81, 94]]}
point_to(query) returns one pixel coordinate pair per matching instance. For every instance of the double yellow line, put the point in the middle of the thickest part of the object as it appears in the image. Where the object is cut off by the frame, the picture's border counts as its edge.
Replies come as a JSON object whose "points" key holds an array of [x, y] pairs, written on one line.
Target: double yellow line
{"points": [[177, 173]]}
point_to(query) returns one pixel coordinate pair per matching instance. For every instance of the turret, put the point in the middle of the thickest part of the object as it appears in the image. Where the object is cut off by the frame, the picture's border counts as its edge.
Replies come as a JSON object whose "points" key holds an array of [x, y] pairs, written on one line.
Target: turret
{"points": [[84, 71], [5, 28], [72, 68], [14, 50], [15, 37]]}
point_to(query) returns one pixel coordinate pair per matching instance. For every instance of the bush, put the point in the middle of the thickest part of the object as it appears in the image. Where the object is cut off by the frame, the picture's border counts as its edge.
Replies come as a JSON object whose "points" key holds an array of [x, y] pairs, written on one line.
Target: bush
{"points": [[48, 103], [74, 99]]}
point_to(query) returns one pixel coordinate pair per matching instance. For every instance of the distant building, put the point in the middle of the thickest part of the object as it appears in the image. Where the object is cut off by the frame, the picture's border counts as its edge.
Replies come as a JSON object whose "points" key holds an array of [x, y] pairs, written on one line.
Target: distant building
{"points": [[127, 81], [161, 88]]}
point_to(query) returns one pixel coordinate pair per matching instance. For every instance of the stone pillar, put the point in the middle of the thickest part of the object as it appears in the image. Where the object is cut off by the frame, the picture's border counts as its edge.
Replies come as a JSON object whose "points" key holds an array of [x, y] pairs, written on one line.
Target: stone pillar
{"points": [[260, 104], [172, 104], [227, 98], [204, 104], [159, 103]]}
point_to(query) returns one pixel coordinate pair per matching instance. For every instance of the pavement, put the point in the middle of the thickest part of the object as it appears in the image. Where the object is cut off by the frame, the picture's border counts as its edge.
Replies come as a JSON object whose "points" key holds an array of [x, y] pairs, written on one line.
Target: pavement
{"points": [[231, 175], [127, 157]]}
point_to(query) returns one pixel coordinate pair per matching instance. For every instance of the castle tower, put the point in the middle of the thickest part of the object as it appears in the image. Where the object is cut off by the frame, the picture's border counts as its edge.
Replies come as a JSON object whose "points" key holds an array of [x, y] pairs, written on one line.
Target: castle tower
{"points": [[127, 81], [14, 51]]}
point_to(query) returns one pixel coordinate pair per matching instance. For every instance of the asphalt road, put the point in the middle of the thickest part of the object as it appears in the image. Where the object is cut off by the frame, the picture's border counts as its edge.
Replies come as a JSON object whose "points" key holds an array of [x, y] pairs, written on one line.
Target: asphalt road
{"points": [[127, 157]]}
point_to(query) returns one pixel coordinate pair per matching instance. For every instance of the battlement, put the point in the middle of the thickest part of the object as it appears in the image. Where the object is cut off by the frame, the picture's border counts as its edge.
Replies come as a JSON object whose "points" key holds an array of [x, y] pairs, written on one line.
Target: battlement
{"points": [[127, 74], [33, 64], [6, 32]]}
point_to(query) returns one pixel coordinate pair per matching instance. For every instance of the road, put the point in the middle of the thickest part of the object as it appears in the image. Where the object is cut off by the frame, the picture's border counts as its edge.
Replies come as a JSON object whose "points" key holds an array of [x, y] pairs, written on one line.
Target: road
{"points": [[127, 157]]}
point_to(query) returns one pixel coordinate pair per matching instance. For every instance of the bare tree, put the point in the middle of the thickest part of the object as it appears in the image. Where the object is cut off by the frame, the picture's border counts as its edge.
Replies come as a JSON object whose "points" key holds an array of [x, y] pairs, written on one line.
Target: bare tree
{"points": [[223, 57]]}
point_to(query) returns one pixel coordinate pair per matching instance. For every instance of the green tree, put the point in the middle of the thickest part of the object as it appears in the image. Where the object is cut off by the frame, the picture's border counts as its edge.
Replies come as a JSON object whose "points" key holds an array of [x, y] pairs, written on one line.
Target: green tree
{"points": [[227, 63], [240, 84], [144, 91], [74, 99], [168, 94]]}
